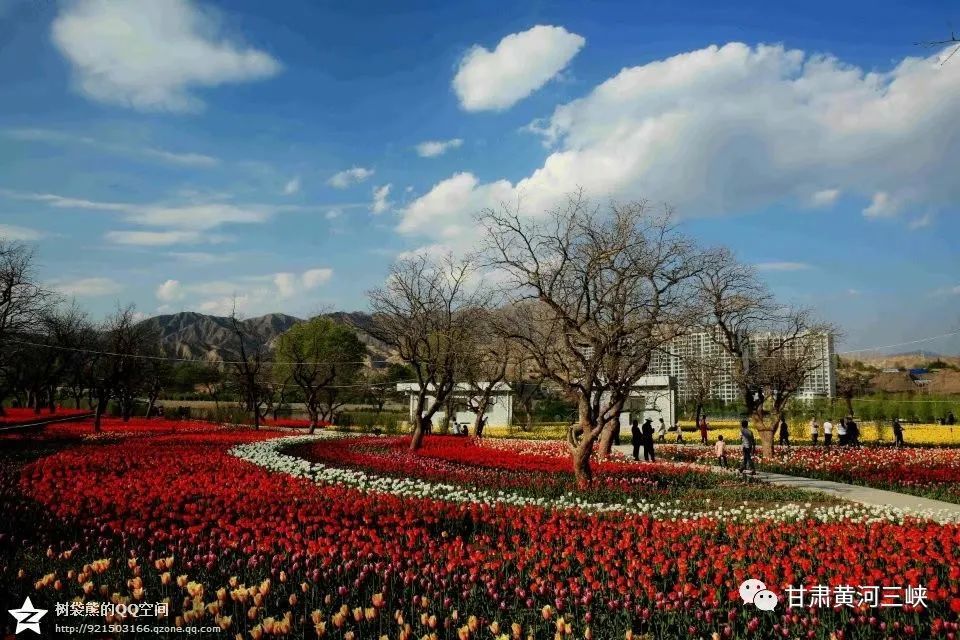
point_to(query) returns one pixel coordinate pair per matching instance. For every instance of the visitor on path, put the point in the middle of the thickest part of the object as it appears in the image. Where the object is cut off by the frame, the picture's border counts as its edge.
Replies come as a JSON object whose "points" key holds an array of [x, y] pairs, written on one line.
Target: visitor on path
{"points": [[703, 429], [662, 431], [827, 433], [814, 431], [721, 450], [897, 433], [648, 441], [637, 437], [747, 444], [842, 432], [784, 433], [950, 418], [679, 432], [853, 433], [616, 434]]}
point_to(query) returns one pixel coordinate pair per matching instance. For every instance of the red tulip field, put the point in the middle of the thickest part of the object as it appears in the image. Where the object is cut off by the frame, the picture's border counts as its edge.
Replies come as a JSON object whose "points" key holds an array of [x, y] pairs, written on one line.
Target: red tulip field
{"points": [[259, 534]]}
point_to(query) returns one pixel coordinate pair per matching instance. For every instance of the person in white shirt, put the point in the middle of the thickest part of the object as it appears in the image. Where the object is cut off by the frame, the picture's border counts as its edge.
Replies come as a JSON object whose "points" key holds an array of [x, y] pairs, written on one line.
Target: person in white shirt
{"points": [[814, 430], [827, 432], [842, 432]]}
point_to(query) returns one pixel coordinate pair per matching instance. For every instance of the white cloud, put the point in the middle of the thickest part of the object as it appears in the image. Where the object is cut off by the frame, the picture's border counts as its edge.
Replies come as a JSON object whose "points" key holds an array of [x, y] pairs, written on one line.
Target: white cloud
{"points": [[313, 278], [922, 222], [292, 187], [253, 294], [434, 148], [152, 55], [333, 214], [881, 206], [21, 234], [88, 287], [380, 201], [824, 197], [161, 238], [782, 266], [351, 176], [201, 257], [733, 129], [51, 136], [519, 65], [169, 291]]}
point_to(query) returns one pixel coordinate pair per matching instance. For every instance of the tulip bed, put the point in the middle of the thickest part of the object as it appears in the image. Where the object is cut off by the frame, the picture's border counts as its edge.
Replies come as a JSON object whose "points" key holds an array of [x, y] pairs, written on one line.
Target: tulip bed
{"points": [[20, 415], [232, 530]]}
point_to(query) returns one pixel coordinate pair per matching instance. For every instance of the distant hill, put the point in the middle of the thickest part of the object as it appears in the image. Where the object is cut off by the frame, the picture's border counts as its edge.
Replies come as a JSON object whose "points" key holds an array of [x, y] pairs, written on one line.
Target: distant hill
{"points": [[204, 337]]}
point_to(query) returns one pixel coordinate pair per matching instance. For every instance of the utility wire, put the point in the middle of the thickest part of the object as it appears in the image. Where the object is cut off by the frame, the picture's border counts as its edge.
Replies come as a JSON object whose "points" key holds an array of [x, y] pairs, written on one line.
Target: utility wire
{"points": [[900, 344]]}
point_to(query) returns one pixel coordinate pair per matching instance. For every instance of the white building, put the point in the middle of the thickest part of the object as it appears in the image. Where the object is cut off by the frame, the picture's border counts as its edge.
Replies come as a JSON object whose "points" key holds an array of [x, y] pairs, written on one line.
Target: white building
{"points": [[652, 397], [703, 348], [499, 412]]}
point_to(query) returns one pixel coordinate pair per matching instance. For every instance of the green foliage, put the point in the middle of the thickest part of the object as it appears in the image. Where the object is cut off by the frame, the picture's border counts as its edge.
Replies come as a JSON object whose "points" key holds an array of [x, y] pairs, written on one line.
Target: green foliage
{"points": [[387, 421]]}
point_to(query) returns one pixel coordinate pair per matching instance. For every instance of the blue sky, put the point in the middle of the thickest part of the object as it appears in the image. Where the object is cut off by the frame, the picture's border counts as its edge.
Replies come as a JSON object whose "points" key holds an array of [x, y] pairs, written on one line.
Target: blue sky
{"points": [[176, 153]]}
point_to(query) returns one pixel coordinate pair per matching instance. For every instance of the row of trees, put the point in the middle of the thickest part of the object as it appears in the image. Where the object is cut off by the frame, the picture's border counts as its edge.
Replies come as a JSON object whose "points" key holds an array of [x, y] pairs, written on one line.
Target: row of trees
{"points": [[50, 350], [586, 298]]}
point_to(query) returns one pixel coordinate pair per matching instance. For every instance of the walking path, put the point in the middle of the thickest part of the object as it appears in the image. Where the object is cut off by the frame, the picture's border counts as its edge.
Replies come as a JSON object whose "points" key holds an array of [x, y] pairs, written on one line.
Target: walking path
{"points": [[913, 505]]}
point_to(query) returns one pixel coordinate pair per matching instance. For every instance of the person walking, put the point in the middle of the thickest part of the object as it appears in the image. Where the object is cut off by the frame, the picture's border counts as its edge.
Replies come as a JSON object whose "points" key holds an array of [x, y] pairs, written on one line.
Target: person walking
{"points": [[679, 432], [703, 429], [747, 444], [637, 438], [951, 420], [648, 454], [897, 433], [814, 430], [662, 431], [853, 433], [784, 433], [827, 433], [842, 432], [616, 434], [720, 448]]}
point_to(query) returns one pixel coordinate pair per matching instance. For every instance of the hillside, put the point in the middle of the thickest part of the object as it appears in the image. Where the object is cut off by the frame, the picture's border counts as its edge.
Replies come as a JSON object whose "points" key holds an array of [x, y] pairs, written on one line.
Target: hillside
{"points": [[204, 337]]}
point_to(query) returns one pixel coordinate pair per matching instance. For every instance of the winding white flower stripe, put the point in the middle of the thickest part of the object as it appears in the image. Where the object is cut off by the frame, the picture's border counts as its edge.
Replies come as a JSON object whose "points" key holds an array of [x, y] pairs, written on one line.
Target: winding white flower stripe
{"points": [[268, 455]]}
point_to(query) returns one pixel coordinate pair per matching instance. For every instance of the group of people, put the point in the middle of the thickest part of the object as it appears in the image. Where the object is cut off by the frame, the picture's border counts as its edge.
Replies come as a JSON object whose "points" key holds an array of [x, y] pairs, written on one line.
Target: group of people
{"points": [[643, 437], [847, 431]]}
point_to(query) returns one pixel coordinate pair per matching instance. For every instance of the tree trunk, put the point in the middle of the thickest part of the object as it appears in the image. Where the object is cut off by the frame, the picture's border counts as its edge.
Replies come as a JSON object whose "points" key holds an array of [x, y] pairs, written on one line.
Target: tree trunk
{"points": [[609, 429], [766, 435], [98, 413], [418, 432], [581, 462], [478, 421], [849, 400]]}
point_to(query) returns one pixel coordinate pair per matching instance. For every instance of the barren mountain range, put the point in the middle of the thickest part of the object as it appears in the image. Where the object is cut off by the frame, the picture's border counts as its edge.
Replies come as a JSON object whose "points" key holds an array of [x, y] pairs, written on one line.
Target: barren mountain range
{"points": [[199, 336]]}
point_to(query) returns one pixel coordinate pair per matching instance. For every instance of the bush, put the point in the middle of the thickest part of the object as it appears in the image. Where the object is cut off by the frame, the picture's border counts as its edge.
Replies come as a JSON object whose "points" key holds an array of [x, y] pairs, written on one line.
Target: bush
{"points": [[387, 421]]}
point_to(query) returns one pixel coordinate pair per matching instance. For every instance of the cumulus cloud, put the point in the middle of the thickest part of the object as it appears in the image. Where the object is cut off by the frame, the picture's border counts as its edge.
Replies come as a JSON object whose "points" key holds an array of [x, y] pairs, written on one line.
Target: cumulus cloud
{"points": [[150, 55], [434, 148], [380, 201], [252, 294], [17, 233], [348, 177], [88, 287], [292, 187], [169, 291], [824, 197], [734, 129], [520, 64]]}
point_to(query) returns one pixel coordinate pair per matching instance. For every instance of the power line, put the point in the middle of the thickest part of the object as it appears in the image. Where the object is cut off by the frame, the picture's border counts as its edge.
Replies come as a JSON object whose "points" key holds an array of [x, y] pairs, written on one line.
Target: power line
{"points": [[901, 344], [142, 356]]}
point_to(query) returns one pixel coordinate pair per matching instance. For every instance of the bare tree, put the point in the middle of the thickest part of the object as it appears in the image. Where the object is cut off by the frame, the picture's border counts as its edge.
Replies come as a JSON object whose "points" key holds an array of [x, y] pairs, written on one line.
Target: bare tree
{"points": [[487, 359], [852, 381], [594, 295], [22, 301], [703, 369], [771, 349], [116, 364], [248, 361], [425, 312]]}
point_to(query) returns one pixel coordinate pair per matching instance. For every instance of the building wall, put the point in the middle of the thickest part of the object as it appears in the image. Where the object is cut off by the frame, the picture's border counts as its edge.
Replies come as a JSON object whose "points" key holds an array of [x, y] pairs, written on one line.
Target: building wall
{"points": [[822, 382], [498, 413]]}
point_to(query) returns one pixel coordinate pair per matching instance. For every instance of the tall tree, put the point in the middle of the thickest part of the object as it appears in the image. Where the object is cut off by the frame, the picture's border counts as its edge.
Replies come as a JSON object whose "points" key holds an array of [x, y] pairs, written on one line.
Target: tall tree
{"points": [[771, 348], [852, 381], [22, 302], [594, 294], [426, 313], [248, 362], [487, 360], [321, 357]]}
